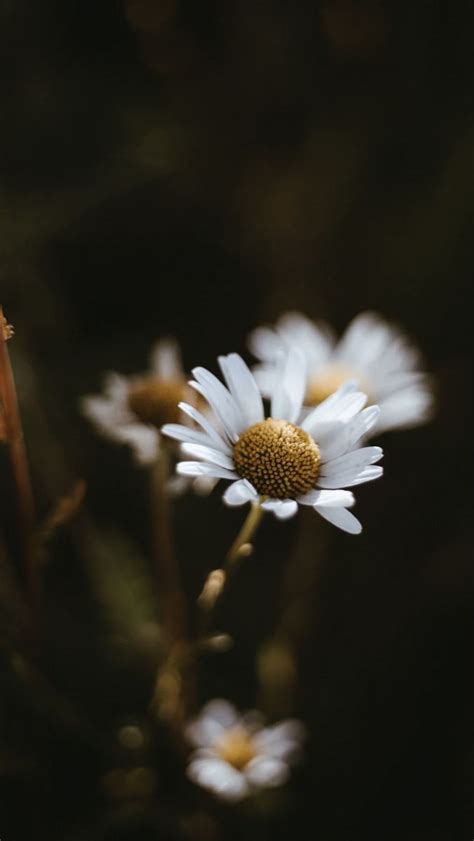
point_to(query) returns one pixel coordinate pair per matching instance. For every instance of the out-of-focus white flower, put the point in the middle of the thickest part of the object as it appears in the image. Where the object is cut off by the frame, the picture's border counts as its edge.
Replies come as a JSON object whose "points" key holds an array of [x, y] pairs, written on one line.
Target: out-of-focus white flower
{"points": [[236, 755], [131, 410], [288, 458], [376, 354]]}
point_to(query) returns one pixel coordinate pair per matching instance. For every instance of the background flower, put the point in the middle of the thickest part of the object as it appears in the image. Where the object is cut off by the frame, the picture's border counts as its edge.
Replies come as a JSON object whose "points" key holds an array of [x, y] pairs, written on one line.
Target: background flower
{"points": [[376, 354], [237, 755], [131, 409]]}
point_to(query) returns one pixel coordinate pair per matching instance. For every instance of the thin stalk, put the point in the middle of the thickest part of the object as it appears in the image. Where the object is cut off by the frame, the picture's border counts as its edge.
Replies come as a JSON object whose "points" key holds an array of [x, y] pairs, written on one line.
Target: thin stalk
{"points": [[173, 694], [20, 471], [166, 566], [241, 547]]}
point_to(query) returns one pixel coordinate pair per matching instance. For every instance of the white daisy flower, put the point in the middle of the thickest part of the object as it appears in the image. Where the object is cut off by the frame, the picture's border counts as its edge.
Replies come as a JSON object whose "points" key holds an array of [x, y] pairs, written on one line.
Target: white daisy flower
{"points": [[376, 354], [289, 458], [132, 409], [236, 755]]}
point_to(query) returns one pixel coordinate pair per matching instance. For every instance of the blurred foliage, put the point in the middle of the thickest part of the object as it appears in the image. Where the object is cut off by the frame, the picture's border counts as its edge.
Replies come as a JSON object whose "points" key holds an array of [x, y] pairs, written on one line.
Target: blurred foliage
{"points": [[194, 169]]}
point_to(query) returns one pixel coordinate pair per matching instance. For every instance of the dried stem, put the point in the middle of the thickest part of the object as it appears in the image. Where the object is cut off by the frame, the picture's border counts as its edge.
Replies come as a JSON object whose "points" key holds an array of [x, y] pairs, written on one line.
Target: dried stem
{"points": [[14, 436], [241, 547], [166, 566], [174, 687]]}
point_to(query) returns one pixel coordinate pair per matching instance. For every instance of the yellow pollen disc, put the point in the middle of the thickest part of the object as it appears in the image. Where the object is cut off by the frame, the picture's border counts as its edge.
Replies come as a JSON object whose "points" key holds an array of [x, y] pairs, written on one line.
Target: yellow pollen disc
{"points": [[327, 382], [155, 401], [236, 747], [279, 459]]}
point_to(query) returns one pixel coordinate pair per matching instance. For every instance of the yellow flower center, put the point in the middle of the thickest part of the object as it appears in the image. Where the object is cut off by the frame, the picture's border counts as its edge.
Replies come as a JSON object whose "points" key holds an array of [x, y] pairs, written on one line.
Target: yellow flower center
{"points": [[236, 747], [279, 459], [155, 401], [327, 382]]}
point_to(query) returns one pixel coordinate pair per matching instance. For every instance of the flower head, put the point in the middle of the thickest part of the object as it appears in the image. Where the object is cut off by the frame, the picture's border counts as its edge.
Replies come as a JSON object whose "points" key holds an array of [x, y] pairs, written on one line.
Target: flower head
{"points": [[374, 353], [286, 459], [235, 755], [132, 409]]}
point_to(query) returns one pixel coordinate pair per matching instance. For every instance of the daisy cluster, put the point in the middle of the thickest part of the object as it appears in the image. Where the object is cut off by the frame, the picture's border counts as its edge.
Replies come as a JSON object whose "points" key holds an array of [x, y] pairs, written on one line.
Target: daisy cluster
{"points": [[294, 431]]}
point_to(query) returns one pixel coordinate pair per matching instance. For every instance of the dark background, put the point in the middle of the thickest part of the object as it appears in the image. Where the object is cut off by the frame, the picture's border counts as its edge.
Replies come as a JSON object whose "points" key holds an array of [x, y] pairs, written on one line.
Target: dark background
{"points": [[195, 169]]}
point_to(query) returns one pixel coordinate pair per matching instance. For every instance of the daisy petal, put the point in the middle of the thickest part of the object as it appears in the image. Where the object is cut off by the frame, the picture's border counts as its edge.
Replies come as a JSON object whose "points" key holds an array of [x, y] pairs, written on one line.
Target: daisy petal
{"points": [[208, 454], [328, 499], [202, 421], [281, 508], [221, 711], [165, 360], [265, 344], [340, 517], [243, 388], [187, 435], [351, 478], [354, 460], [218, 776], [267, 772], [221, 402], [197, 468], [239, 493], [290, 386], [333, 407]]}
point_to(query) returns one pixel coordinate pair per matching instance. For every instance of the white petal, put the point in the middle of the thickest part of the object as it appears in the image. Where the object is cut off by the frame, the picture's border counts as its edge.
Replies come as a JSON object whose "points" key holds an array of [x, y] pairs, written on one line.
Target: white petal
{"points": [[204, 485], [265, 344], [265, 377], [316, 339], [116, 386], [266, 772], [282, 508], [340, 517], [197, 468], [217, 440], [221, 402], [243, 387], [165, 360], [282, 741], [221, 711], [355, 460], [337, 438], [290, 386], [208, 454], [334, 408], [144, 441], [219, 777], [351, 477], [188, 435], [239, 493], [328, 499], [405, 409]]}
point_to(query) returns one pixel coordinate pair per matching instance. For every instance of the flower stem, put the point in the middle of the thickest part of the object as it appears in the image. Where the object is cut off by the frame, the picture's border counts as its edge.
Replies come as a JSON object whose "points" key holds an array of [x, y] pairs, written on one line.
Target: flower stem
{"points": [[173, 693], [241, 547], [245, 535], [19, 464], [166, 567]]}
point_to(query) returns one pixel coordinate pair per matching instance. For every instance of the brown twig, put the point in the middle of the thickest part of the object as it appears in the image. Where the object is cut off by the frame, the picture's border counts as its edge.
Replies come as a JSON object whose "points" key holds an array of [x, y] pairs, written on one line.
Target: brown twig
{"points": [[19, 464]]}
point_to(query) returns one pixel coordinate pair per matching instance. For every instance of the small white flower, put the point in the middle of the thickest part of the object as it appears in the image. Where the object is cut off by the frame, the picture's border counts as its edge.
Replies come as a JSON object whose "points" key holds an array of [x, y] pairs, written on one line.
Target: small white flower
{"points": [[376, 354], [236, 755], [288, 458], [132, 409]]}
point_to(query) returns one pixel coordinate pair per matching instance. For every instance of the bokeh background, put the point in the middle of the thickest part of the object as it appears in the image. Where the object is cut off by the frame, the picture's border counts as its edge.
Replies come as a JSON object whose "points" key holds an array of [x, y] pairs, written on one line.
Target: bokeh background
{"points": [[195, 169]]}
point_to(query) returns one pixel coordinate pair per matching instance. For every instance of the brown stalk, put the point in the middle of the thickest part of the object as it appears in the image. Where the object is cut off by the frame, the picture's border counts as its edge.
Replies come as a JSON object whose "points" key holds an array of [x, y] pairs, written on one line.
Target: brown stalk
{"points": [[13, 432]]}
